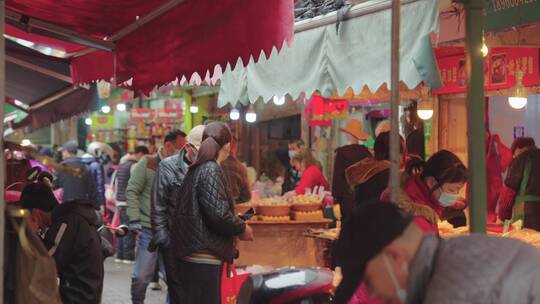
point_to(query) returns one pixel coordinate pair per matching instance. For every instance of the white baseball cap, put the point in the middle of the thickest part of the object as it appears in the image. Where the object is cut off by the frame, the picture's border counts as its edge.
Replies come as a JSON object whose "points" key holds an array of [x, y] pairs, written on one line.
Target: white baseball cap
{"points": [[195, 136]]}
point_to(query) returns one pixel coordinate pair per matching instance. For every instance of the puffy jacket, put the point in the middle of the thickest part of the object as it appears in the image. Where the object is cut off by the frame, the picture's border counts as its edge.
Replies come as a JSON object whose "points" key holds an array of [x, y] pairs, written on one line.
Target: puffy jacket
{"points": [[76, 187], [139, 191], [204, 217], [169, 177], [75, 244], [96, 169], [474, 269], [122, 178]]}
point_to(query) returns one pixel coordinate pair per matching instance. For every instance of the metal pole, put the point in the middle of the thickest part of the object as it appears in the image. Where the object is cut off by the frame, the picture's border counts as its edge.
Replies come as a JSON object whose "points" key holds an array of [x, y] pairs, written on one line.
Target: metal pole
{"points": [[394, 104], [2, 157], [475, 114]]}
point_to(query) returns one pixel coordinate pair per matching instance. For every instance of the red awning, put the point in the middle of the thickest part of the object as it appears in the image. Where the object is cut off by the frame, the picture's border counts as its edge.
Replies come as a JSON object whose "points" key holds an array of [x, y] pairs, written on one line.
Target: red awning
{"points": [[183, 37]]}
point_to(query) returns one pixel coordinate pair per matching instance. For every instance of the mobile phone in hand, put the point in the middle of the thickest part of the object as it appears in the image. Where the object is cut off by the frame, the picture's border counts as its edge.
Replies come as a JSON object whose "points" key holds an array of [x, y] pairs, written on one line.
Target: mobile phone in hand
{"points": [[249, 214]]}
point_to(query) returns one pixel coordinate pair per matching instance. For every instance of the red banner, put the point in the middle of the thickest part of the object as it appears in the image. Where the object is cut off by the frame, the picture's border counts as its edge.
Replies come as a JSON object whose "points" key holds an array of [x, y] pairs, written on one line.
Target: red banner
{"points": [[141, 115], [500, 67], [166, 115], [321, 110]]}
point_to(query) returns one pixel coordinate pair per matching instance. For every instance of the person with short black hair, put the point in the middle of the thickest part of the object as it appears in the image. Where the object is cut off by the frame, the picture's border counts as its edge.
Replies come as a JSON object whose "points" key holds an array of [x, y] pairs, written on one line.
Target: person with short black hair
{"points": [[520, 196], [400, 263], [173, 142], [72, 239]]}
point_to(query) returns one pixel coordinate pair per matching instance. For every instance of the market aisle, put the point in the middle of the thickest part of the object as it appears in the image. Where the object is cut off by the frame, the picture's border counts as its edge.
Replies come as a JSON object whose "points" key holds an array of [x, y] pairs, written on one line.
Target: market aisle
{"points": [[117, 284]]}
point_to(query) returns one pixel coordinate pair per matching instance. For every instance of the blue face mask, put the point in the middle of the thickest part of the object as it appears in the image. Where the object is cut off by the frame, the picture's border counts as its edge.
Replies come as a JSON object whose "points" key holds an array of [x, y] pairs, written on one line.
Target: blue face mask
{"points": [[446, 199]]}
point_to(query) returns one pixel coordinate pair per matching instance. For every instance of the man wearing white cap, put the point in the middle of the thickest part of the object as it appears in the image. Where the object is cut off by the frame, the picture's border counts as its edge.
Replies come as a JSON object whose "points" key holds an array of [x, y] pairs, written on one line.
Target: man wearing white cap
{"points": [[169, 176]]}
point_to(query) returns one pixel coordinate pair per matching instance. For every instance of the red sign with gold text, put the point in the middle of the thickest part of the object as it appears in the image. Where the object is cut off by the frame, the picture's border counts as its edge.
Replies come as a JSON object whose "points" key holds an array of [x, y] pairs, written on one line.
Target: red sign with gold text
{"points": [[166, 115], [500, 67], [141, 115]]}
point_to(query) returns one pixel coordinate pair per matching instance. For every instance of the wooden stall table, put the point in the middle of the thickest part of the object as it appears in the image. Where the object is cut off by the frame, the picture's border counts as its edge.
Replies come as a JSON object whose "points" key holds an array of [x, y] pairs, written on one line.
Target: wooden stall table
{"points": [[281, 244]]}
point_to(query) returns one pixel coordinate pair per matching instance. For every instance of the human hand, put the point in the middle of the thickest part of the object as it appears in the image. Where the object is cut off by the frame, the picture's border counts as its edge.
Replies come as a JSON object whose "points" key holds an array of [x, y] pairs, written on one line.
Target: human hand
{"points": [[247, 235], [460, 204]]}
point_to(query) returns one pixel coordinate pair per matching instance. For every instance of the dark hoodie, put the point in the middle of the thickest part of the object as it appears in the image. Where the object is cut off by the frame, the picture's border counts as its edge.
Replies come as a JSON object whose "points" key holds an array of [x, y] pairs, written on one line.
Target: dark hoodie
{"points": [[345, 157], [98, 173], [75, 244], [76, 187], [369, 178]]}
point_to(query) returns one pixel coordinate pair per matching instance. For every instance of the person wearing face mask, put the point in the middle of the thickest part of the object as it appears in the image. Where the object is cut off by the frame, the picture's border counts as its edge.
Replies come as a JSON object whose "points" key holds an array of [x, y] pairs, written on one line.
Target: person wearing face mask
{"points": [[169, 177], [400, 263], [520, 196], [292, 176], [312, 176], [205, 226], [438, 185], [345, 157]]}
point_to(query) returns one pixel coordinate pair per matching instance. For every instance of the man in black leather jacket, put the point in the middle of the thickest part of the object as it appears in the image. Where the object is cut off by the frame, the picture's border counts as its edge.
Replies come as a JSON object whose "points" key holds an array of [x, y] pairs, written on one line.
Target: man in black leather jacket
{"points": [[169, 177]]}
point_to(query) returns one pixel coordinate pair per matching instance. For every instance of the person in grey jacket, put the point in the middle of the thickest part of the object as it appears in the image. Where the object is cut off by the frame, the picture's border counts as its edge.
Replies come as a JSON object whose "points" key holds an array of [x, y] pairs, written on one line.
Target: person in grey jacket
{"points": [[398, 262], [76, 187]]}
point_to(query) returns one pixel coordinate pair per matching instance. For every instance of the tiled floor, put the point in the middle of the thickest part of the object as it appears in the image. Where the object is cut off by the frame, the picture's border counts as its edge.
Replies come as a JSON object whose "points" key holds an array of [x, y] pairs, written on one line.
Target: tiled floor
{"points": [[116, 287]]}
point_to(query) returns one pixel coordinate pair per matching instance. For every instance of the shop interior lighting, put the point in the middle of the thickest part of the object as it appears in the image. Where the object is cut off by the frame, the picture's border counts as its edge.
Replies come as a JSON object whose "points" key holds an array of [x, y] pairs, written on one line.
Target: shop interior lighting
{"points": [[26, 142], [106, 109], [121, 107], [235, 114], [518, 96], [251, 116], [484, 49], [425, 105], [194, 108], [88, 121], [279, 101]]}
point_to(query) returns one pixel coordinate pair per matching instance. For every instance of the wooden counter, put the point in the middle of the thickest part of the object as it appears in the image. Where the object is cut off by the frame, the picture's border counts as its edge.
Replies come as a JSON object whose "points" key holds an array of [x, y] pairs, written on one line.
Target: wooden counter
{"points": [[281, 244]]}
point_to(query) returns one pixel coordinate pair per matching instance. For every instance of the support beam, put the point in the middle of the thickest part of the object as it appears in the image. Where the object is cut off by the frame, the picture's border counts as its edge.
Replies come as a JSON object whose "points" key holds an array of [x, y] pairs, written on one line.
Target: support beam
{"points": [[44, 28], [52, 98], [474, 19], [39, 69], [394, 104], [140, 21], [2, 157]]}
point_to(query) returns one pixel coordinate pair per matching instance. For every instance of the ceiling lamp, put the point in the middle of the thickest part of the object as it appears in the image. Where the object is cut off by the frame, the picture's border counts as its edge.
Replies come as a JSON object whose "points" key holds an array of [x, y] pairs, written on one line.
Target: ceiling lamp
{"points": [[484, 49], [121, 107], [251, 116], [26, 142], [88, 121], [279, 101], [194, 108], [425, 105], [235, 114], [106, 109], [518, 96]]}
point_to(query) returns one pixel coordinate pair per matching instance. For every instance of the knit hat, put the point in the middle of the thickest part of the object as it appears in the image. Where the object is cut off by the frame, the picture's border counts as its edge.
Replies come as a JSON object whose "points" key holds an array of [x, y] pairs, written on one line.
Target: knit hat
{"points": [[38, 196], [363, 236], [195, 136]]}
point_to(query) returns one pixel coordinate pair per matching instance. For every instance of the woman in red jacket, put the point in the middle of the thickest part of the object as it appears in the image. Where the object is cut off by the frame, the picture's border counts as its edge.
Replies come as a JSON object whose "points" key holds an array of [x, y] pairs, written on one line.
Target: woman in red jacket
{"points": [[312, 175], [442, 178]]}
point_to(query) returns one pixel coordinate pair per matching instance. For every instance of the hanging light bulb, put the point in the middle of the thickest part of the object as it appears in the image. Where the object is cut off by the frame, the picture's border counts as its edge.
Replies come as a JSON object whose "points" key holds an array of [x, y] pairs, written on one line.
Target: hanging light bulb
{"points": [[235, 114], [121, 107], [26, 142], [251, 116], [279, 101], [484, 49], [106, 109], [425, 105], [194, 108], [88, 121], [518, 97]]}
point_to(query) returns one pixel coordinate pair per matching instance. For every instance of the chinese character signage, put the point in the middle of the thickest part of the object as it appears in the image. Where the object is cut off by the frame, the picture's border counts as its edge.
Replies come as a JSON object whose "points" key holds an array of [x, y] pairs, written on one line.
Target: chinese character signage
{"points": [[142, 115], [504, 14], [500, 68]]}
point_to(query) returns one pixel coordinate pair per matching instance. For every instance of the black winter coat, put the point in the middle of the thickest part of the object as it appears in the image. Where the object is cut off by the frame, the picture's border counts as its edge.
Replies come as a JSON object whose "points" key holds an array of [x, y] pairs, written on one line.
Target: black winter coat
{"points": [[75, 244], [204, 217], [122, 178], [169, 177]]}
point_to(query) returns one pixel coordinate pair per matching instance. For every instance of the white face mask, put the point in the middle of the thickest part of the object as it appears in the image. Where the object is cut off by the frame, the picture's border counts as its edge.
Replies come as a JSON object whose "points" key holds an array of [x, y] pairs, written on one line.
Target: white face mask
{"points": [[291, 154], [401, 292]]}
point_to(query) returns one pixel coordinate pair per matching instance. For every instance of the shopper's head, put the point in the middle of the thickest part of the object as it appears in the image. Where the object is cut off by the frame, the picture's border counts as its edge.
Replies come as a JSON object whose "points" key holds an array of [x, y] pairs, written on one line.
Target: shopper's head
{"points": [[522, 144], [295, 146], [445, 175], [193, 143], [376, 245], [39, 198], [382, 146], [69, 149], [174, 141], [216, 144], [140, 152], [304, 159]]}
